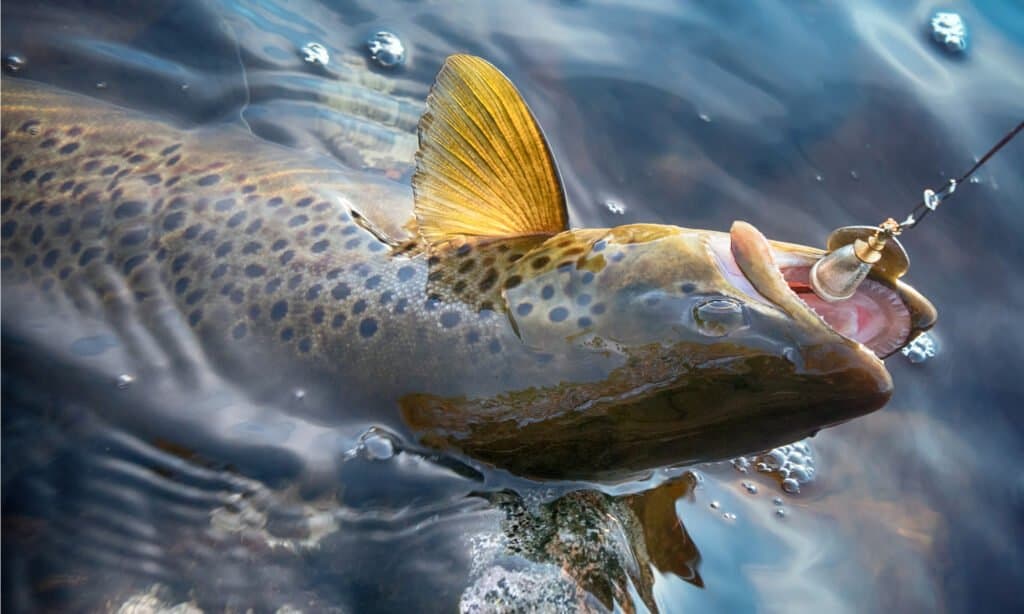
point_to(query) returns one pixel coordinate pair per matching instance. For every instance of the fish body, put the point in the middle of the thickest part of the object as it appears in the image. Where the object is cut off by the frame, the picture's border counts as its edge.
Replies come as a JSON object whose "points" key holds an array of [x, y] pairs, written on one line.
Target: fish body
{"points": [[467, 301]]}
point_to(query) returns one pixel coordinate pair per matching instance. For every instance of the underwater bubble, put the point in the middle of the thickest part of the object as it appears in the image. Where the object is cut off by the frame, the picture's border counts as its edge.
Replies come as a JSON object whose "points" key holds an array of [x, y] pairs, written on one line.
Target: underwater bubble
{"points": [[13, 63], [124, 380], [974, 180], [819, 178], [704, 117], [615, 206], [729, 516], [791, 486], [715, 505], [855, 175], [102, 85], [920, 349], [750, 487], [777, 500], [375, 444], [741, 464], [386, 49], [298, 394], [315, 53], [948, 30], [781, 513]]}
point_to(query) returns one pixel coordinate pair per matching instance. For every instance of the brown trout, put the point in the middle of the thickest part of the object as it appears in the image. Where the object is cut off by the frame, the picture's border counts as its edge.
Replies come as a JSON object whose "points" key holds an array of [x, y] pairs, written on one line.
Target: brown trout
{"points": [[466, 301]]}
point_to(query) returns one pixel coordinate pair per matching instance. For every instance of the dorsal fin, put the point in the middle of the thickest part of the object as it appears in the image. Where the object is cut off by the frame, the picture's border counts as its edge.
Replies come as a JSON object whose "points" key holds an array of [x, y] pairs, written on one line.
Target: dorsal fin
{"points": [[483, 169]]}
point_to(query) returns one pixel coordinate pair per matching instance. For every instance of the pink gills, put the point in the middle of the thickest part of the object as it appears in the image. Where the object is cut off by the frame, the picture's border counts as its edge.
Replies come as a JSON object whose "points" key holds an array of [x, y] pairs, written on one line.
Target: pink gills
{"points": [[468, 303]]}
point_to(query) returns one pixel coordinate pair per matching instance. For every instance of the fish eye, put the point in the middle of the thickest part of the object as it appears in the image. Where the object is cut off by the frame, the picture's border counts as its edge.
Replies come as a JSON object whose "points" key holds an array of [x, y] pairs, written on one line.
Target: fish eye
{"points": [[719, 316]]}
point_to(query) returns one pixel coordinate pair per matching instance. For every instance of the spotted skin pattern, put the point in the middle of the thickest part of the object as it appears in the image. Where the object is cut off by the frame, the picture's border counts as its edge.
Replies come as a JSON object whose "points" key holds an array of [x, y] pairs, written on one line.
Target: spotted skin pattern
{"points": [[117, 217]]}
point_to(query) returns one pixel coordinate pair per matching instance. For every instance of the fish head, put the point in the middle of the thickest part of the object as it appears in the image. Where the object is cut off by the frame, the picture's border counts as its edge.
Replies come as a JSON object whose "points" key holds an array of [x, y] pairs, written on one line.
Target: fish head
{"points": [[710, 347]]}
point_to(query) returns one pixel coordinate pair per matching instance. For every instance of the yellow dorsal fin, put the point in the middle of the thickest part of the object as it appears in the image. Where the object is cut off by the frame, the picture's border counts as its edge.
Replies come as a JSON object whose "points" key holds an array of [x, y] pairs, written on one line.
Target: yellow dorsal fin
{"points": [[483, 169]]}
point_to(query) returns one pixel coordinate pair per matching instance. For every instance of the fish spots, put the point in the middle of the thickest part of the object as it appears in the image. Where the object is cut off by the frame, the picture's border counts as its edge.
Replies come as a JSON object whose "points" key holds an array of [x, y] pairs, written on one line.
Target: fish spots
{"points": [[341, 291], [371, 283], [558, 314], [174, 221], [253, 271], [239, 330], [305, 345], [338, 320], [540, 262], [109, 170], [359, 307], [15, 164], [317, 315], [513, 281], [524, 309], [208, 180], [406, 273], [278, 245], [91, 165], [352, 243], [547, 292], [473, 336], [32, 127], [224, 204], [47, 143], [166, 151], [276, 201], [195, 317], [254, 226], [587, 277], [50, 259], [137, 159], [181, 285], [368, 328], [236, 219], [28, 176], [583, 299], [598, 309], [196, 295], [320, 246], [467, 266], [278, 311], [223, 249], [450, 319], [287, 256], [89, 254], [252, 247], [584, 322], [287, 334], [298, 220], [254, 311], [128, 209], [64, 187], [305, 202], [37, 235], [490, 278], [8, 228], [688, 287], [494, 347], [68, 149]]}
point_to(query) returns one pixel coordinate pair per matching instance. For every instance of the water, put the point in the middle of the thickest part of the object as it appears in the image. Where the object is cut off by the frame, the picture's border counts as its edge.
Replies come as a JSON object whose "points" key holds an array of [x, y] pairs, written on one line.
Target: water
{"points": [[175, 485]]}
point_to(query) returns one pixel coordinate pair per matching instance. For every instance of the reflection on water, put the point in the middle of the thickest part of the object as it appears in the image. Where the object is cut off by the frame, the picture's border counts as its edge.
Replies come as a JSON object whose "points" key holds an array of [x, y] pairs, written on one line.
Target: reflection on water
{"points": [[797, 118]]}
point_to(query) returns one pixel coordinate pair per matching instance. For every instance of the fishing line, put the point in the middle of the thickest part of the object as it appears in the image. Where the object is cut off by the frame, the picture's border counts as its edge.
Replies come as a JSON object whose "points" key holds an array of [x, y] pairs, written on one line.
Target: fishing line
{"points": [[854, 250]]}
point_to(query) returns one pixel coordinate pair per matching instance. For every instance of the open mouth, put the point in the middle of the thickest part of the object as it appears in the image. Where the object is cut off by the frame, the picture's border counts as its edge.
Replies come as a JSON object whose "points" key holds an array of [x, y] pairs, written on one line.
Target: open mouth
{"points": [[875, 316]]}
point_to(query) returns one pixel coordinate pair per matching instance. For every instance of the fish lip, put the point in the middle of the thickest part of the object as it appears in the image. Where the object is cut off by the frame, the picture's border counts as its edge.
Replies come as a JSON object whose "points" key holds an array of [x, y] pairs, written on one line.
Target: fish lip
{"points": [[763, 262]]}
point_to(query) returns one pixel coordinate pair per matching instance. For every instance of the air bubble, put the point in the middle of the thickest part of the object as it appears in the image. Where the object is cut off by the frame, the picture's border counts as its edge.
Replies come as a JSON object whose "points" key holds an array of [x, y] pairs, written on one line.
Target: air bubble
{"points": [[781, 513], [615, 206], [315, 53], [298, 394], [948, 30], [791, 486], [704, 117], [741, 464], [715, 505], [777, 500], [101, 85], [819, 178], [750, 487], [729, 516], [124, 380], [376, 444], [13, 63], [855, 175], [793, 464], [386, 49], [920, 349]]}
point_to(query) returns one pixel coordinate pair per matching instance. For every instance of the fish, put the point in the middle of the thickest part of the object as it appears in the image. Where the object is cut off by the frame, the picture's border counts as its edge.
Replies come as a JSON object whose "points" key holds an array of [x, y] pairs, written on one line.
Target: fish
{"points": [[464, 302]]}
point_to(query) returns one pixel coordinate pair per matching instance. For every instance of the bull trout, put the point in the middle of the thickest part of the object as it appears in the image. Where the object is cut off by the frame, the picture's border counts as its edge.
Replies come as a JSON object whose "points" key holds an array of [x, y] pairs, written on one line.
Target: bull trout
{"points": [[464, 300]]}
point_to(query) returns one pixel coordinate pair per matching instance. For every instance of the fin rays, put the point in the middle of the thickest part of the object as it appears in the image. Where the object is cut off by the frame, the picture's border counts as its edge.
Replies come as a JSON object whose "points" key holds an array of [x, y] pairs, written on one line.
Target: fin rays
{"points": [[483, 169]]}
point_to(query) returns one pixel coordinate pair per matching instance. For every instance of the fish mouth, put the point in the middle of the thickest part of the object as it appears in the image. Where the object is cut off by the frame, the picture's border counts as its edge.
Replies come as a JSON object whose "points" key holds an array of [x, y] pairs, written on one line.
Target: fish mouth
{"points": [[883, 314]]}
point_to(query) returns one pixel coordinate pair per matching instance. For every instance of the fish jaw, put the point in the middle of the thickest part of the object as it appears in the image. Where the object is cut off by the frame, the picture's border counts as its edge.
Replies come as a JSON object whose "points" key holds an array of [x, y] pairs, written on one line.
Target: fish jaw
{"points": [[883, 315]]}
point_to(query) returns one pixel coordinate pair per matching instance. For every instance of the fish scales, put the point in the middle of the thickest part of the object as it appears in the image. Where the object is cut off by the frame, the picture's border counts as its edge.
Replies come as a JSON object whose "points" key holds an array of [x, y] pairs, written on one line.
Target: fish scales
{"points": [[247, 241]]}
